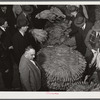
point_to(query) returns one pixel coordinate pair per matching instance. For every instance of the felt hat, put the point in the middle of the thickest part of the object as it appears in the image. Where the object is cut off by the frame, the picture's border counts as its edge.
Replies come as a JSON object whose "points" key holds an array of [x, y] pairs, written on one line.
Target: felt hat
{"points": [[27, 9], [17, 9], [72, 8], [96, 26], [79, 21], [22, 23]]}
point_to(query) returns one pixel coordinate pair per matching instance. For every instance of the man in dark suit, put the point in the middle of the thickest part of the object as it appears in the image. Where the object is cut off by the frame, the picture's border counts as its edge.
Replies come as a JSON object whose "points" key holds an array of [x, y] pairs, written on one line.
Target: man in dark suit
{"points": [[26, 14], [82, 28], [19, 41], [79, 30], [6, 66], [5, 11]]}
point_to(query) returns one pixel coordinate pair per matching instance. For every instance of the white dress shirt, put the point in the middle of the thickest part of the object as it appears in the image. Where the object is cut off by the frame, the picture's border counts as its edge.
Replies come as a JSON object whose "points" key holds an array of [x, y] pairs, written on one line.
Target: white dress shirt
{"points": [[34, 64], [84, 26], [2, 28]]}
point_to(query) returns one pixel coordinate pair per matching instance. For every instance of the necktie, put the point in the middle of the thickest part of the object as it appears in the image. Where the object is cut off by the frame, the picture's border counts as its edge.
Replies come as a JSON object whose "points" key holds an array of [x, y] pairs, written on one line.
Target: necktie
{"points": [[29, 18]]}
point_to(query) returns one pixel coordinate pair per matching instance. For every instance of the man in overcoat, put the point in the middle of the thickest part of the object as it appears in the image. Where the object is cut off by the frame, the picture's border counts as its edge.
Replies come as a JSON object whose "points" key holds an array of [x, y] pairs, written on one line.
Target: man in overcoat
{"points": [[79, 30], [30, 74], [6, 65], [19, 41]]}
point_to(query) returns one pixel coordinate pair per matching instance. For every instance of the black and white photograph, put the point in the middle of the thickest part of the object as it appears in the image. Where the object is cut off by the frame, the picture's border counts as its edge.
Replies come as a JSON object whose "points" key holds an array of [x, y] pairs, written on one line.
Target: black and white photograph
{"points": [[49, 47]]}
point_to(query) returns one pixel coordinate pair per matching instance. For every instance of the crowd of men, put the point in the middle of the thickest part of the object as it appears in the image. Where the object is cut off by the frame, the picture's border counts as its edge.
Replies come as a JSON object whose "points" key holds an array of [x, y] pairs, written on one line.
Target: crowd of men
{"points": [[15, 40], [15, 22]]}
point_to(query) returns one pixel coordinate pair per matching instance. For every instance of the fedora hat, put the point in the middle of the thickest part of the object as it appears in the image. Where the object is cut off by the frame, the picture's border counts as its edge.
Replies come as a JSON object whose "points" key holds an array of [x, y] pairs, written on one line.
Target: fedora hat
{"points": [[72, 8], [17, 9], [79, 21], [22, 23], [27, 9], [96, 26]]}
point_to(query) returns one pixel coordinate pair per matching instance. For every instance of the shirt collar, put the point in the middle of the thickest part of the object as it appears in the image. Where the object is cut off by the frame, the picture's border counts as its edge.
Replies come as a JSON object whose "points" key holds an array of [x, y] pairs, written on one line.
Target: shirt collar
{"points": [[21, 33], [2, 28], [34, 63], [84, 26], [24, 14]]}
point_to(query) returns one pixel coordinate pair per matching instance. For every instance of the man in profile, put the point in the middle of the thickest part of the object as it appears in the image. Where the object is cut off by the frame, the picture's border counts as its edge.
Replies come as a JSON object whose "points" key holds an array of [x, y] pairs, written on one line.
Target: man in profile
{"points": [[30, 74], [19, 41]]}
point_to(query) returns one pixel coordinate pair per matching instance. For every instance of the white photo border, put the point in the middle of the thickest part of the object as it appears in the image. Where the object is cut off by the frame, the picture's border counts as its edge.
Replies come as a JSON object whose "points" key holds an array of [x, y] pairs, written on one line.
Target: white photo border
{"points": [[49, 94]]}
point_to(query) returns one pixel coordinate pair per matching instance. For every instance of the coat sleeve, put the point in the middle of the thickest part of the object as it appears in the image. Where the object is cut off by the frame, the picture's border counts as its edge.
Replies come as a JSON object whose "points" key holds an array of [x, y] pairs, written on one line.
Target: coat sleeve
{"points": [[87, 40]]}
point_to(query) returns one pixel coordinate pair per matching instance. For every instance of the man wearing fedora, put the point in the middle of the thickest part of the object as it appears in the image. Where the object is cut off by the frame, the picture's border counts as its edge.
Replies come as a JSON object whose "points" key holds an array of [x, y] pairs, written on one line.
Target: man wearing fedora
{"points": [[26, 14], [19, 40], [82, 27], [6, 66], [92, 42], [5, 11], [80, 30]]}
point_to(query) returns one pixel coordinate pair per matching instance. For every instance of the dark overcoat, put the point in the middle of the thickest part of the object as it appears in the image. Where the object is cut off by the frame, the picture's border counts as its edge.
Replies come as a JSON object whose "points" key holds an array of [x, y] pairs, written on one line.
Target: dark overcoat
{"points": [[19, 44]]}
